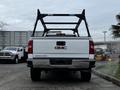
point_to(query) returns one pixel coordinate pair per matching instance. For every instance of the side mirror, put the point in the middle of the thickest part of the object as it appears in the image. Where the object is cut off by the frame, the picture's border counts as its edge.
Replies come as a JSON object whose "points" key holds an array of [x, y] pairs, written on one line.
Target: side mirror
{"points": [[19, 50]]}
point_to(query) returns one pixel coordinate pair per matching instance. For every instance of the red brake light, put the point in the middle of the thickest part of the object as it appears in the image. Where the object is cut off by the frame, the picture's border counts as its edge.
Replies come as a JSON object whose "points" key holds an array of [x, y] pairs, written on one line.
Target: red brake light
{"points": [[30, 46], [91, 47]]}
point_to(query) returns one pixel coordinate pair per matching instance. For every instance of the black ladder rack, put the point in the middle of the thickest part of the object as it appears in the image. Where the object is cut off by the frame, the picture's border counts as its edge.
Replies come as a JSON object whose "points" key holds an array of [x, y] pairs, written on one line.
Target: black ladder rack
{"points": [[75, 30]]}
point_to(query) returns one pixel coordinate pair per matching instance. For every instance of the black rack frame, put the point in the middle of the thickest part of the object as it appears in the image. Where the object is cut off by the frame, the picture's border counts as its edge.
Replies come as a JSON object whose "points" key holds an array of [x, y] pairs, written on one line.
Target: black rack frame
{"points": [[75, 30]]}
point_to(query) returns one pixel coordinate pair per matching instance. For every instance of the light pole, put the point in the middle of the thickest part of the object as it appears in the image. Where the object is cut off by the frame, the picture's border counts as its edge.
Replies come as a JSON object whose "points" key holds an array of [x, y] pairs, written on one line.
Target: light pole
{"points": [[104, 32], [105, 36]]}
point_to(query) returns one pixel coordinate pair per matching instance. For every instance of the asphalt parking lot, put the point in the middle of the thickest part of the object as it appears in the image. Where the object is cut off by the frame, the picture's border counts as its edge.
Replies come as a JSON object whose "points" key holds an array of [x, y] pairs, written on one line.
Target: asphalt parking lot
{"points": [[16, 77]]}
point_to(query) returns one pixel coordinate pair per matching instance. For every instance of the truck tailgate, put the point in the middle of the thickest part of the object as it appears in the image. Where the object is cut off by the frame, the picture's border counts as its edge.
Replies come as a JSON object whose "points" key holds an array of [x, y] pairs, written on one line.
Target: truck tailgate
{"points": [[69, 48]]}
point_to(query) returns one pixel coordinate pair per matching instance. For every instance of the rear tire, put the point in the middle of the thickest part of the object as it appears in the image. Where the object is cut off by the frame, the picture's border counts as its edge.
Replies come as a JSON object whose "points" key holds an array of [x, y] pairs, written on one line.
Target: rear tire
{"points": [[35, 74], [86, 75]]}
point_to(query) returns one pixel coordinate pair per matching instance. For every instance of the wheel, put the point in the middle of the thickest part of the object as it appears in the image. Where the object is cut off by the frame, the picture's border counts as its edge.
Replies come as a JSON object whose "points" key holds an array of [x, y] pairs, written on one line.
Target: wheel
{"points": [[86, 75], [16, 60], [35, 74]]}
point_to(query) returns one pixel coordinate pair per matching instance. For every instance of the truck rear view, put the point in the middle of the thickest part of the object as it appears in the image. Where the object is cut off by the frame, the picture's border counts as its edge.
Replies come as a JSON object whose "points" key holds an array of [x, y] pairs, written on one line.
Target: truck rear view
{"points": [[61, 51]]}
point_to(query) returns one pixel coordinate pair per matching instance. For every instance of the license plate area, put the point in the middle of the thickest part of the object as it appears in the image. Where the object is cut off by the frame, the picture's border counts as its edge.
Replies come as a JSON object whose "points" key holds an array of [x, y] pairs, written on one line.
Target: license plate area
{"points": [[60, 61]]}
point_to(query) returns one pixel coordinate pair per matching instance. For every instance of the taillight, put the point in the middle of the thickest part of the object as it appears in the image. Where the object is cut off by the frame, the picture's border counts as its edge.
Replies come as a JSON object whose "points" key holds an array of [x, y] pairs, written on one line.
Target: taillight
{"points": [[30, 46], [91, 47]]}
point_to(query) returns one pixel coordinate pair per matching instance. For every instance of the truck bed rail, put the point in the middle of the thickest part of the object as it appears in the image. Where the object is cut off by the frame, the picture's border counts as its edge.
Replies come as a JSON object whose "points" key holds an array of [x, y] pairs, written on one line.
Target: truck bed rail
{"points": [[75, 30]]}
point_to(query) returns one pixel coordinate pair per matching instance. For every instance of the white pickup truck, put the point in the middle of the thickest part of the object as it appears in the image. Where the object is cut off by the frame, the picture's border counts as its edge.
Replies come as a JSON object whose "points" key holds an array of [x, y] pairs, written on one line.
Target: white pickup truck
{"points": [[12, 53], [61, 51]]}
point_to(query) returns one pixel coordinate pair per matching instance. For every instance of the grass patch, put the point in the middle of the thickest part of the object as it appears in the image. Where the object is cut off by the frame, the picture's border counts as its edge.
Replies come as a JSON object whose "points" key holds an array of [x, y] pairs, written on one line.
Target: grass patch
{"points": [[117, 74], [110, 68]]}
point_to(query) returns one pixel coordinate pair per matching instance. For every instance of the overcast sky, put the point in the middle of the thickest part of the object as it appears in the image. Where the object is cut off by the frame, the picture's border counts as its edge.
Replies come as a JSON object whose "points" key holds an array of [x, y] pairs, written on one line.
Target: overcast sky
{"points": [[21, 14]]}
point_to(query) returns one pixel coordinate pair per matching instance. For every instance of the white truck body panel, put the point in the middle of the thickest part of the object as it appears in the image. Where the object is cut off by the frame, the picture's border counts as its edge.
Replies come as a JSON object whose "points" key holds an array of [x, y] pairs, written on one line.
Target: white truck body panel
{"points": [[74, 48]]}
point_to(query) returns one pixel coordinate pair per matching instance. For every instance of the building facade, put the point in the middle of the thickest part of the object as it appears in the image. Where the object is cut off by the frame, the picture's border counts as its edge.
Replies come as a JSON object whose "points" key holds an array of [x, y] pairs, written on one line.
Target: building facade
{"points": [[15, 38]]}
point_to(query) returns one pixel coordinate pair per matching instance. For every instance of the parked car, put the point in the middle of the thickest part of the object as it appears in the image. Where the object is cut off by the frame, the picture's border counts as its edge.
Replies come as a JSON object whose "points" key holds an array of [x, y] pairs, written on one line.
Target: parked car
{"points": [[107, 54], [14, 54], [99, 54], [102, 54]]}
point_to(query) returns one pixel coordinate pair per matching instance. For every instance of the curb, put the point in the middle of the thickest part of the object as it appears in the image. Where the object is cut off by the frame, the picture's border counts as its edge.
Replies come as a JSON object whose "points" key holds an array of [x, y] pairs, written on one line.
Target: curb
{"points": [[105, 76]]}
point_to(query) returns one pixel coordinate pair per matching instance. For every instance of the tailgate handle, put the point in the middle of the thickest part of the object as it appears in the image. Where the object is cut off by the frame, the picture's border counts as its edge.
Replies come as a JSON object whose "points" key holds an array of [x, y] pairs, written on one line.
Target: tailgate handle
{"points": [[61, 43]]}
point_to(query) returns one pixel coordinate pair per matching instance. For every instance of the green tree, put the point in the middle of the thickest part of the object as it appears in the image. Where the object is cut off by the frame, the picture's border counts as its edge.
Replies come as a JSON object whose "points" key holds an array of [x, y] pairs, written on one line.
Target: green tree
{"points": [[116, 28], [2, 24]]}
